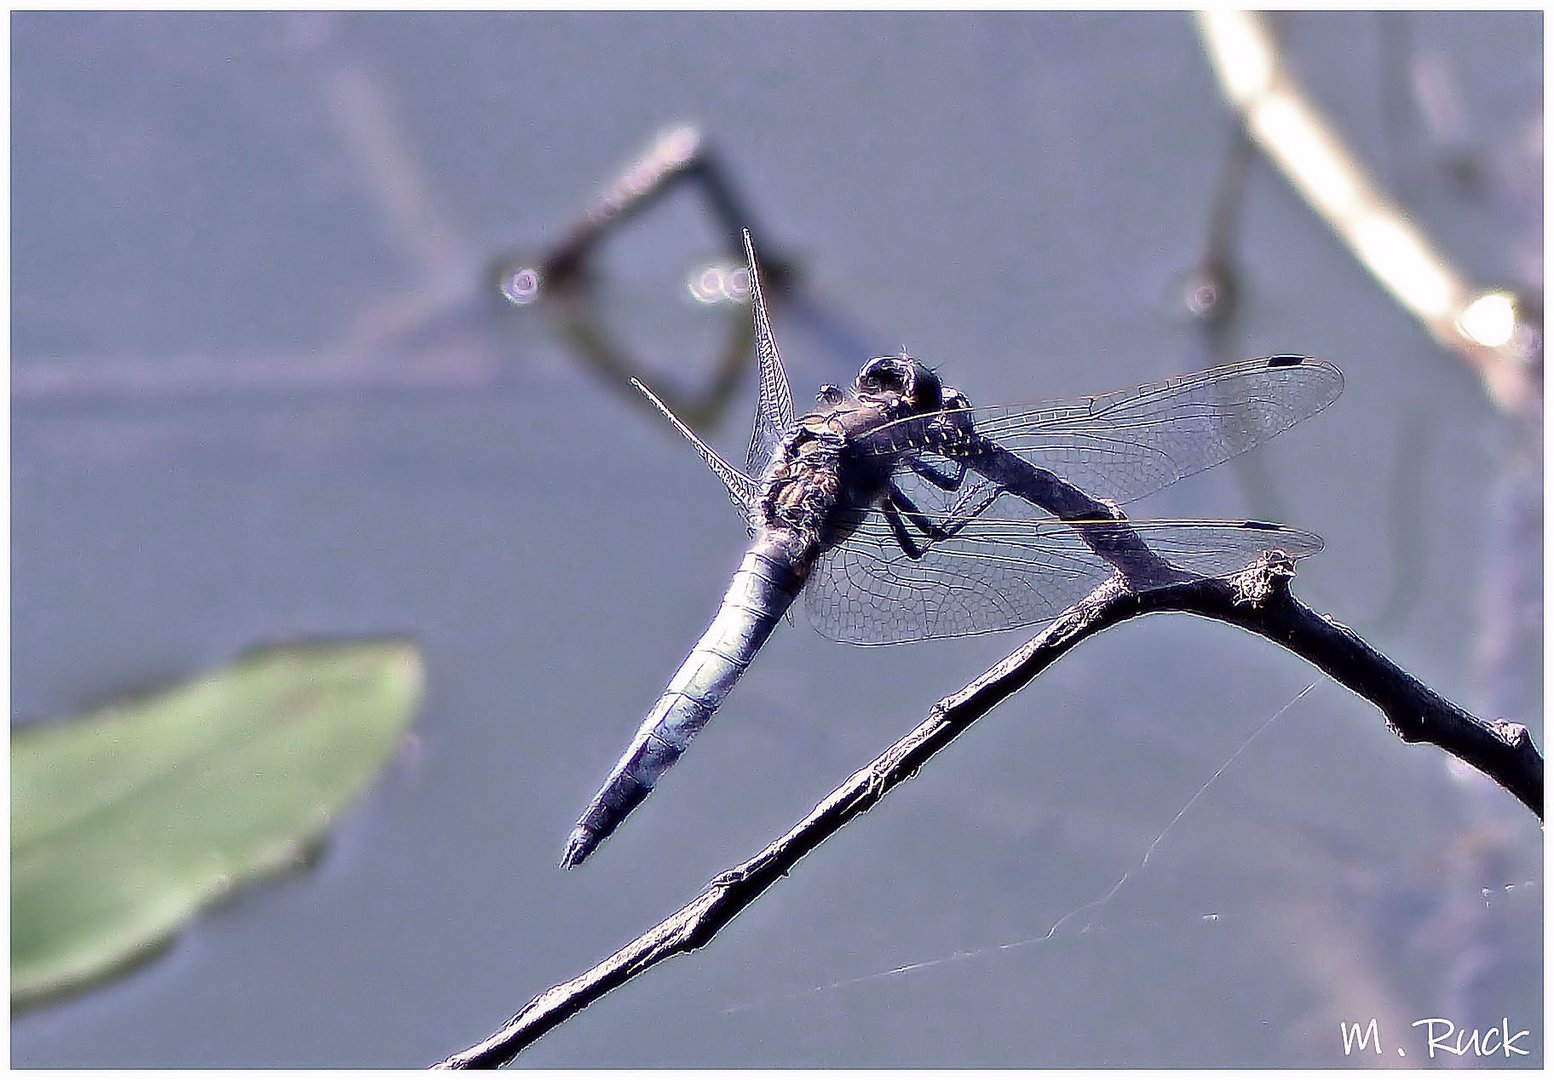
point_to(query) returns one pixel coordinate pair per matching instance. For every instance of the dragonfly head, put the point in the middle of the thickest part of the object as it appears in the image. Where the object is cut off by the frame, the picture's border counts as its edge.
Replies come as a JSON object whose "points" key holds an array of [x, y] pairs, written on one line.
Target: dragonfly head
{"points": [[902, 384]]}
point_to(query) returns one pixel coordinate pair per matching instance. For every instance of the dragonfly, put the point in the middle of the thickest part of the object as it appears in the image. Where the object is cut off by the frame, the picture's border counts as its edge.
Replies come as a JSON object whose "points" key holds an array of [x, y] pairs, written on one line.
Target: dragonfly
{"points": [[903, 513]]}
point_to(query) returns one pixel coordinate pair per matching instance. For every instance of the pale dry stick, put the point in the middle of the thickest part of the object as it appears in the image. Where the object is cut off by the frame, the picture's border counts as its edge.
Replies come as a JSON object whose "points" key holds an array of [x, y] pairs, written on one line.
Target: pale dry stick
{"points": [[1256, 599], [1487, 328]]}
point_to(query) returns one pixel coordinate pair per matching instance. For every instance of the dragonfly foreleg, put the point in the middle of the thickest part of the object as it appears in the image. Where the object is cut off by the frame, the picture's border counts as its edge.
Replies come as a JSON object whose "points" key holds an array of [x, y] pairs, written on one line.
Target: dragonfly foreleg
{"points": [[942, 481], [909, 547], [899, 509]]}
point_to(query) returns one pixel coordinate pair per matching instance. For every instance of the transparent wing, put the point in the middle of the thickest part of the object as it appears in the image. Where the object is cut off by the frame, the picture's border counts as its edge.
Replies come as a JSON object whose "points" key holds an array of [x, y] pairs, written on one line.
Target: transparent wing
{"points": [[1129, 443], [742, 491], [774, 407], [997, 574]]}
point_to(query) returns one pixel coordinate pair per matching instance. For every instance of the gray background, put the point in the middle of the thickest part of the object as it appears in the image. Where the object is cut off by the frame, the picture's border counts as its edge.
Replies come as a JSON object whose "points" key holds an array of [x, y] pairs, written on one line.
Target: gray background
{"points": [[262, 390]]}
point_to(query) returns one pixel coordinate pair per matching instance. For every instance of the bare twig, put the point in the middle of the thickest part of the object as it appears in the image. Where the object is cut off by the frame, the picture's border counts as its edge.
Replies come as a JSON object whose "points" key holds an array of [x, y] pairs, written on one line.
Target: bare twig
{"points": [[1256, 599]]}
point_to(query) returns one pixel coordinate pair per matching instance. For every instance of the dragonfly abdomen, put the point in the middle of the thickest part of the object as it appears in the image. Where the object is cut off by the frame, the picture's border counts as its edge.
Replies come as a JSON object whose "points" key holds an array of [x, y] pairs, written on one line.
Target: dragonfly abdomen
{"points": [[762, 589]]}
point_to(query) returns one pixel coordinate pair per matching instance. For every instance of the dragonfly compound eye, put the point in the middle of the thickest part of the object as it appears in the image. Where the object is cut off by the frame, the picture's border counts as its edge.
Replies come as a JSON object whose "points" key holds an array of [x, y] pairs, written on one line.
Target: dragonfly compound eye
{"points": [[900, 377], [884, 375]]}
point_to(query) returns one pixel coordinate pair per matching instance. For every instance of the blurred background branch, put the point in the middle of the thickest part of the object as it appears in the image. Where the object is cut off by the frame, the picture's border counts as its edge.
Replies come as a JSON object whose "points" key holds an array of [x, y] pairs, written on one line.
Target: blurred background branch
{"points": [[1494, 330]]}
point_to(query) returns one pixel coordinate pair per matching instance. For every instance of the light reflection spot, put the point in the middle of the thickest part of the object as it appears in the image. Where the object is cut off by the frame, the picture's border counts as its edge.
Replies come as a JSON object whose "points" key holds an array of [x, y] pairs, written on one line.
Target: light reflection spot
{"points": [[1490, 319], [716, 284], [522, 286]]}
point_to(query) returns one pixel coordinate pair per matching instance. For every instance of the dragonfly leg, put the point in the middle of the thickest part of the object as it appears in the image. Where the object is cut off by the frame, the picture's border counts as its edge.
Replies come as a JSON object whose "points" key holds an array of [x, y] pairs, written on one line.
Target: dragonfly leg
{"points": [[909, 547], [942, 481], [899, 509]]}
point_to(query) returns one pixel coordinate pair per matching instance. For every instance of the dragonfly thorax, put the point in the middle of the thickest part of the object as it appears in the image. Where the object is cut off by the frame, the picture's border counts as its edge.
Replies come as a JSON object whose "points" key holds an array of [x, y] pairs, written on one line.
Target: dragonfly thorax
{"points": [[812, 470]]}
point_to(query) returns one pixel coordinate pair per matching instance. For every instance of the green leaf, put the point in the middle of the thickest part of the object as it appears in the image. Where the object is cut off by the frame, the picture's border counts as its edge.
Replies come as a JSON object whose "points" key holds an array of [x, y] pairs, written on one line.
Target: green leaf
{"points": [[128, 820]]}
